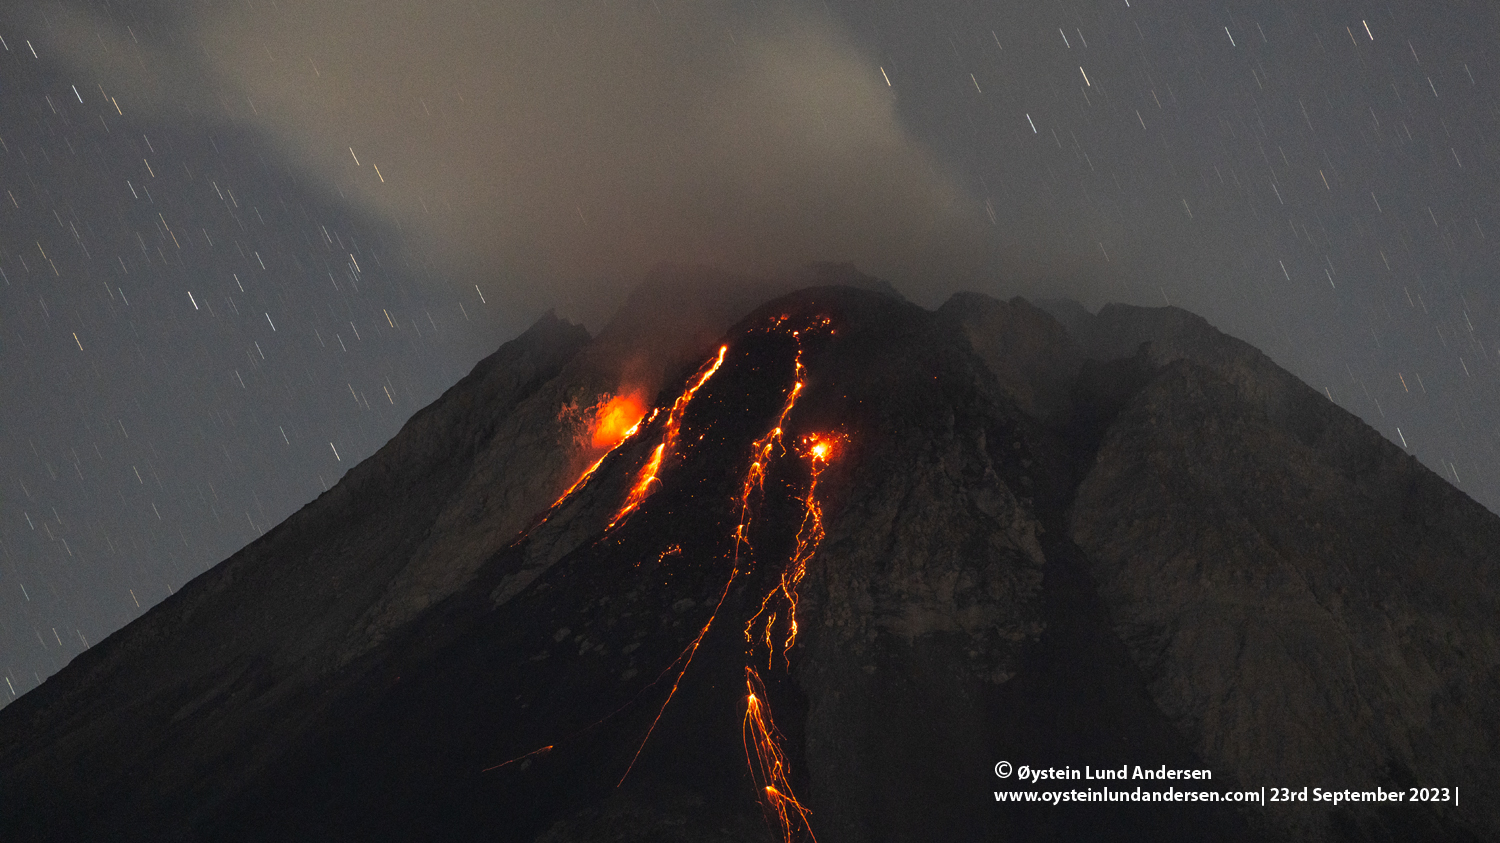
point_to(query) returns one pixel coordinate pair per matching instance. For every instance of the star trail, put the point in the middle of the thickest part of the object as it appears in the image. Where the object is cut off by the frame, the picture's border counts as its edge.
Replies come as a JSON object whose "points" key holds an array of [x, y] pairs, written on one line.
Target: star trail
{"points": [[241, 244]]}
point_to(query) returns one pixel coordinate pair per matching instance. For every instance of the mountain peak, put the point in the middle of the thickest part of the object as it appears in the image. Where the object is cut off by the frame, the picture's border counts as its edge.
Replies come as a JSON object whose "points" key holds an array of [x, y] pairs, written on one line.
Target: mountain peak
{"points": [[833, 558]]}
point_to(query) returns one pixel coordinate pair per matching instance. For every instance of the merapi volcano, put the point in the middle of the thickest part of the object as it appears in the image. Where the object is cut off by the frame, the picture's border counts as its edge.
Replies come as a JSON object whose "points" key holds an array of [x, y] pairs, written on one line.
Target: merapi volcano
{"points": [[810, 568]]}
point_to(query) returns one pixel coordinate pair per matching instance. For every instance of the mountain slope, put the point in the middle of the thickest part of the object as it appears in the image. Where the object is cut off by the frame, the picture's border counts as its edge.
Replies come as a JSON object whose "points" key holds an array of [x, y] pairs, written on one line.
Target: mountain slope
{"points": [[1278, 569], [858, 553]]}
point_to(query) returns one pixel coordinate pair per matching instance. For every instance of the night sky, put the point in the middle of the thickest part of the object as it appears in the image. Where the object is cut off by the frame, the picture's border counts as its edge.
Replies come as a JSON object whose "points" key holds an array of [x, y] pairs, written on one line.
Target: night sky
{"points": [[242, 242]]}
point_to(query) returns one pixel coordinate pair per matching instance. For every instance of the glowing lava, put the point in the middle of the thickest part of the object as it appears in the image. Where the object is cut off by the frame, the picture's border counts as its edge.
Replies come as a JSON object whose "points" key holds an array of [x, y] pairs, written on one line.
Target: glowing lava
{"points": [[617, 418], [621, 418], [643, 482], [761, 453], [763, 753], [816, 450], [589, 472], [768, 765]]}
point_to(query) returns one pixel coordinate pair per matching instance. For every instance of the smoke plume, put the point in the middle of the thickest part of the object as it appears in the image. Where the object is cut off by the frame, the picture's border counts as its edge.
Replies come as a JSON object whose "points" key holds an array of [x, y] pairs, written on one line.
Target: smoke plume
{"points": [[553, 147]]}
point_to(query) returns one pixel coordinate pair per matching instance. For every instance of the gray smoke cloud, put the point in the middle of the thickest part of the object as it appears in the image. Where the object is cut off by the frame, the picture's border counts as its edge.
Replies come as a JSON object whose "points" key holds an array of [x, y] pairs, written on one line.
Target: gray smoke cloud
{"points": [[551, 145]]}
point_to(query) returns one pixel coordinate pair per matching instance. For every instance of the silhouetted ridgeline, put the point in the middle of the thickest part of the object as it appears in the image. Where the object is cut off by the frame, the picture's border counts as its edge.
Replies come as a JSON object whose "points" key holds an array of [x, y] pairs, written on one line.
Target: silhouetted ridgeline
{"points": [[1003, 533]]}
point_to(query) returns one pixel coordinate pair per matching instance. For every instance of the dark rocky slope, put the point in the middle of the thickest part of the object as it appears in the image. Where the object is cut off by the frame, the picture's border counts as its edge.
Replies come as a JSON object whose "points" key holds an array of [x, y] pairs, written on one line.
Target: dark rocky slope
{"points": [[1129, 541], [1308, 602]]}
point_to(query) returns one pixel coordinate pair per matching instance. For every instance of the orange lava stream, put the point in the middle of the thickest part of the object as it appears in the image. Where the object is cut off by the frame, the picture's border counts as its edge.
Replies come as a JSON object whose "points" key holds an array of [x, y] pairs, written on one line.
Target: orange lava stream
{"points": [[589, 472], [532, 754], [763, 751], [761, 453], [643, 483], [817, 450], [760, 457], [763, 742], [615, 418], [768, 764]]}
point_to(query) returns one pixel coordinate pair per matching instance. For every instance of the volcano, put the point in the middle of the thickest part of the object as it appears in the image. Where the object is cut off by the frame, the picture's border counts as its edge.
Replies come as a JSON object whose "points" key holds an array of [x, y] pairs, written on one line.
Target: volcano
{"points": [[808, 561]]}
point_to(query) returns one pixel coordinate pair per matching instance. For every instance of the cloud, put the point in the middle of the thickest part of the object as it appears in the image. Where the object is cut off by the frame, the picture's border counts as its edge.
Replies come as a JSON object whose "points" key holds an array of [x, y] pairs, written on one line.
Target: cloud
{"points": [[553, 145]]}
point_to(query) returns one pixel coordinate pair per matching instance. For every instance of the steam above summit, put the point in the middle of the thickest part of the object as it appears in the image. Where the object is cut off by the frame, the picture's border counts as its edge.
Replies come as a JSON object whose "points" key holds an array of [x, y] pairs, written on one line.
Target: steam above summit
{"points": [[850, 554], [557, 143]]}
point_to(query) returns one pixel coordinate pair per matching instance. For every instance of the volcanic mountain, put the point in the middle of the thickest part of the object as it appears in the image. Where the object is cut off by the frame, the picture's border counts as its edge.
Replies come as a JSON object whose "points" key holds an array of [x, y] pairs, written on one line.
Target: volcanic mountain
{"points": [[809, 568]]}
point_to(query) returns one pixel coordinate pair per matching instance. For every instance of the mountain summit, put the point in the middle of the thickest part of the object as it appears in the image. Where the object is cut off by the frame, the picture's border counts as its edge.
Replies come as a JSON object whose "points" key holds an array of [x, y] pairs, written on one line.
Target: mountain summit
{"points": [[812, 569]]}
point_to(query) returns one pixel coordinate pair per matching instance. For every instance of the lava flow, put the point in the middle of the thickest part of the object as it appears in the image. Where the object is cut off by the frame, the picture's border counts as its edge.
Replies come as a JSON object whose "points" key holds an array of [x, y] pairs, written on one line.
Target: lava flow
{"points": [[760, 458], [589, 472], [761, 453], [642, 488], [616, 419], [763, 752], [778, 606], [768, 764], [763, 742], [816, 450]]}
